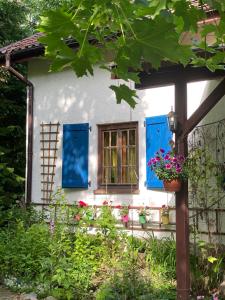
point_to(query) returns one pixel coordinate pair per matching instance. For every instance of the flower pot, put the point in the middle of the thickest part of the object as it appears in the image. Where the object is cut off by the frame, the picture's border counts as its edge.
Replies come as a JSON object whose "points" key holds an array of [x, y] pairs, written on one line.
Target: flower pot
{"points": [[142, 219], [172, 186], [165, 219], [125, 220]]}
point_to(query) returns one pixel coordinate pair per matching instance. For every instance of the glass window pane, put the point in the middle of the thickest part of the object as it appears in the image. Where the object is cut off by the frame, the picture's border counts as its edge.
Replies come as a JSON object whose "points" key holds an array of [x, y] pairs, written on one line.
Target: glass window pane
{"points": [[113, 138], [106, 175], [124, 138], [124, 156], [132, 175], [132, 137], [106, 139], [106, 157], [114, 157], [124, 175], [132, 156], [114, 178]]}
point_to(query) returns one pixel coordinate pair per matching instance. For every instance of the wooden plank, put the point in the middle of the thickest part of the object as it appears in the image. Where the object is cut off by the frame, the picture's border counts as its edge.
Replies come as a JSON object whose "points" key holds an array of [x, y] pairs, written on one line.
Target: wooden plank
{"points": [[50, 149], [204, 108], [47, 165], [171, 74], [47, 141], [47, 132], [182, 218], [49, 125], [47, 174]]}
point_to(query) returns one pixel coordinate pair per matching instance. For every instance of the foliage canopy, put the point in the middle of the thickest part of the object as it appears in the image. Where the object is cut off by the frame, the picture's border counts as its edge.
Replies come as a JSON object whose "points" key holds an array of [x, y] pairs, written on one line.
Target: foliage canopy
{"points": [[131, 34]]}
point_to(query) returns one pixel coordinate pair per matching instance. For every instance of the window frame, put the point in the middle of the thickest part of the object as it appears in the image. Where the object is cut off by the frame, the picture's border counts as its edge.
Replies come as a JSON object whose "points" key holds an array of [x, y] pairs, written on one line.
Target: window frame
{"points": [[121, 188]]}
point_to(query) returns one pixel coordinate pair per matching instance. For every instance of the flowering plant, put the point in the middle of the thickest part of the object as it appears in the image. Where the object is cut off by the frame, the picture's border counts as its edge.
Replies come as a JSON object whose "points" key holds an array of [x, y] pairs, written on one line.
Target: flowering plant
{"points": [[165, 210], [124, 210], [168, 165]]}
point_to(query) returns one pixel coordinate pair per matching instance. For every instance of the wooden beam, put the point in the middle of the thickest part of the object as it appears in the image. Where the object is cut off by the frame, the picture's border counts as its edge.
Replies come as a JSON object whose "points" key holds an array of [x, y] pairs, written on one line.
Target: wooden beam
{"points": [[171, 74], [205, 107], [182, 220]]}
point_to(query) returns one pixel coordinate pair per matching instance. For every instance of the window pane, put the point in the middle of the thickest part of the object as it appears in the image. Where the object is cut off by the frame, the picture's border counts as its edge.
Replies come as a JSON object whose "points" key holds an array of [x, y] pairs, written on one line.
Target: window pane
{"points": [[106, 157], [132, 137], [114, 157], [113, 138], [114, 178], [106, 138], [132, 175], [124, 138], [106, 175], [124, 156], [124, 175], [132, 156]]}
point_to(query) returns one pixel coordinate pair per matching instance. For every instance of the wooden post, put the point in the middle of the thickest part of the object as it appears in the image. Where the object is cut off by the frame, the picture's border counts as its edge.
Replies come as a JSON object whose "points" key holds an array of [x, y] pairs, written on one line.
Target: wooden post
{"points": [[182, 221]]}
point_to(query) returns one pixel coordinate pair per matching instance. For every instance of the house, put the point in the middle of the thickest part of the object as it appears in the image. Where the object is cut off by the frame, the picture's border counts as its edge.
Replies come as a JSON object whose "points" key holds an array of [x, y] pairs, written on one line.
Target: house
{"points": [[79, 139], [96, 150]]}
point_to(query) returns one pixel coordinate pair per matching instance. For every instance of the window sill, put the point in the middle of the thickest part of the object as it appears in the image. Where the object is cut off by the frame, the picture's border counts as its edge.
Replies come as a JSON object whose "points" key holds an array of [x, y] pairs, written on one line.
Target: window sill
{"points": [[116, 190]]}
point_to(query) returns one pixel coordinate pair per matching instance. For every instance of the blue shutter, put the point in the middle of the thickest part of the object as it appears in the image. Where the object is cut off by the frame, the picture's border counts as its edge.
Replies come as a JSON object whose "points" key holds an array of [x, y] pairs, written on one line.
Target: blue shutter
{"points": [[158, 136], [75, 155]]}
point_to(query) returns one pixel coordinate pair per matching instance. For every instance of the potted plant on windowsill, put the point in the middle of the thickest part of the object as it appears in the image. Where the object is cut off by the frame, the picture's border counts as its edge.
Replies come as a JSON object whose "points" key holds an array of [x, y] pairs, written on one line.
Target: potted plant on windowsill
{"points": [[165, 214], [169, 167], [142, 217], [124, 213]]}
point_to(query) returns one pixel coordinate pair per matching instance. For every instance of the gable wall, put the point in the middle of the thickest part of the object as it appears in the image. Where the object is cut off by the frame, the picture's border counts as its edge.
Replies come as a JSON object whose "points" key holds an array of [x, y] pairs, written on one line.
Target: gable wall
{"points": [[61, 97]]}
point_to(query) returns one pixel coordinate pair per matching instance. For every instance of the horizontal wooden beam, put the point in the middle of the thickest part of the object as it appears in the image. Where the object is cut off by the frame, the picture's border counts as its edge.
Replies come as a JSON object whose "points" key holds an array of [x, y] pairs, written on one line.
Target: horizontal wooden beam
{"points": [[172, 74], [204, 108]]}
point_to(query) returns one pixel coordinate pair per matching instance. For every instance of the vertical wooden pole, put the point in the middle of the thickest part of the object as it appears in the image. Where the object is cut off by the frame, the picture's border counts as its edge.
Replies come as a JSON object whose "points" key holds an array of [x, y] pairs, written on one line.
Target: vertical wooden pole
{"points": [[182, 221]]}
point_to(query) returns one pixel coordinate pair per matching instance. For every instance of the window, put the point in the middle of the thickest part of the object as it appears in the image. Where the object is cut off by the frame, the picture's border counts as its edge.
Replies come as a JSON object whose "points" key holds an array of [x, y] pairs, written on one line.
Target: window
{"points": [[118, 158]]}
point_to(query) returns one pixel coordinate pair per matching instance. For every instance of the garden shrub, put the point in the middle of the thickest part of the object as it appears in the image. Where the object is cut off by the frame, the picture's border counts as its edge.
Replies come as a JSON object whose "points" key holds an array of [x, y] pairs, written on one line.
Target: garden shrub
{"points": [[64, 260]]}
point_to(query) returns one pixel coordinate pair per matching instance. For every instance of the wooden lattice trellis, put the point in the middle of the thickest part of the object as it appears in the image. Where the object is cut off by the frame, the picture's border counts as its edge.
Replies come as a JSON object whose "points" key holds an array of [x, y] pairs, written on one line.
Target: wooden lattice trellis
{"points": [[49, 139]]}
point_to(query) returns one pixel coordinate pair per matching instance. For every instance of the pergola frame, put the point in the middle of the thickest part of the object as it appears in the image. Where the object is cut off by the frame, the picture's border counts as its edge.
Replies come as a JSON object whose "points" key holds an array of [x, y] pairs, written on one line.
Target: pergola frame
{"points": [[180, 76]]}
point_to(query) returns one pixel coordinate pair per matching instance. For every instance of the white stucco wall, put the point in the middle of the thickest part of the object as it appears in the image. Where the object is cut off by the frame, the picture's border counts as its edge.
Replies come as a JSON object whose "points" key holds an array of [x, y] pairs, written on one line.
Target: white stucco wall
{"points": [[61, 97]]}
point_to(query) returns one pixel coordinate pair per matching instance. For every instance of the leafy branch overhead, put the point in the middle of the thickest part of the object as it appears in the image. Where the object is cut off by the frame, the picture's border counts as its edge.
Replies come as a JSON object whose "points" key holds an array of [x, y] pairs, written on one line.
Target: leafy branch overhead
{"points": [[130, 33]]}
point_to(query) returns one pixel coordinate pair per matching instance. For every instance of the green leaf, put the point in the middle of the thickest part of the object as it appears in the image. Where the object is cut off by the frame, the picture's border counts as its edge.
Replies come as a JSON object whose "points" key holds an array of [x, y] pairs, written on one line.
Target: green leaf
{"points": [[123, 92], [212, 259]]}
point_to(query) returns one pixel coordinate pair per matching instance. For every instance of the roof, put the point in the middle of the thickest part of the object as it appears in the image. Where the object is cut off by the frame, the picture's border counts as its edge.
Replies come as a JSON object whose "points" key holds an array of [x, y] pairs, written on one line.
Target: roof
{"points": [[29, 42], [23, 49]]}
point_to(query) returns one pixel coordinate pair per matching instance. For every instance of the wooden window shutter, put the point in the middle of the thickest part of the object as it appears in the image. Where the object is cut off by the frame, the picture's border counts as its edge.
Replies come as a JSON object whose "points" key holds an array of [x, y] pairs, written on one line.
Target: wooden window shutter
{"points": [[75, 155], [158, 136]]}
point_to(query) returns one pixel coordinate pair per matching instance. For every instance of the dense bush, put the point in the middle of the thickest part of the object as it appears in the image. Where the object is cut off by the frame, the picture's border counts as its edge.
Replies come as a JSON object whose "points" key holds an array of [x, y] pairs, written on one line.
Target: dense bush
{"points": [[64, 260]]}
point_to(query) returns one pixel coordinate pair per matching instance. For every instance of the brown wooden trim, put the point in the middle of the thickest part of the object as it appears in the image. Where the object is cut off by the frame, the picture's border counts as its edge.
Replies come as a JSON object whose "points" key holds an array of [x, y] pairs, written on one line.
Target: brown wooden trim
{"points": [[205, 107], [171, 74], [182, 218], [116, 190]]}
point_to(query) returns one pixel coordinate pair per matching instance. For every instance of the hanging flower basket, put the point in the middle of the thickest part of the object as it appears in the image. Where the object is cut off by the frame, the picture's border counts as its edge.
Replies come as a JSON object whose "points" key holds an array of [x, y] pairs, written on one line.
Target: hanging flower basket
{"points": [[142, 219], [125, 220], [172, 186], [171, 168]]}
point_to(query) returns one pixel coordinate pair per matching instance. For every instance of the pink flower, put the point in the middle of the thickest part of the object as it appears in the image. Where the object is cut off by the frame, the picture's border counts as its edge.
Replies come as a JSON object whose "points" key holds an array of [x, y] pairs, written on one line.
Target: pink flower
{"points": [[168, 166], [157, 158], [82, 204], [181, 158], [174, 159], [105, 202], [178, 170], [167, 157]]}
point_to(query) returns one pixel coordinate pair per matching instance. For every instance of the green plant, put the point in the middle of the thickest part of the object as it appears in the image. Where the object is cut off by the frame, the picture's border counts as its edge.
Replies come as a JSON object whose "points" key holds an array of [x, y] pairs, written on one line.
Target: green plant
{"points": [[124, 211], [161, 256], [168, 166], [207, 267], [106, 222]]}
